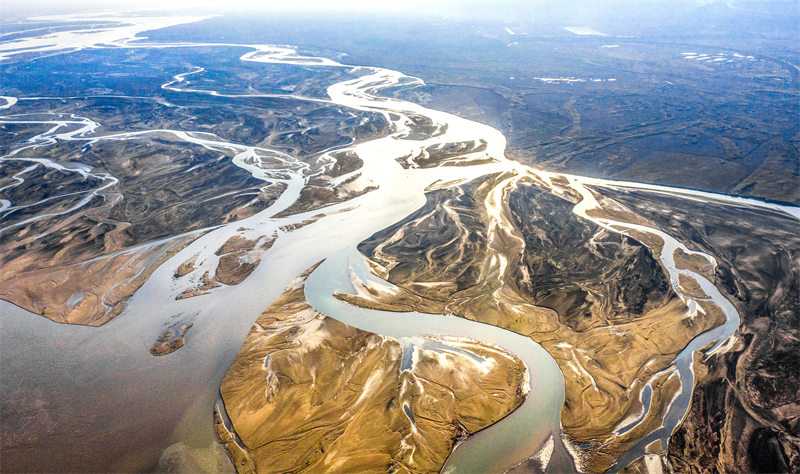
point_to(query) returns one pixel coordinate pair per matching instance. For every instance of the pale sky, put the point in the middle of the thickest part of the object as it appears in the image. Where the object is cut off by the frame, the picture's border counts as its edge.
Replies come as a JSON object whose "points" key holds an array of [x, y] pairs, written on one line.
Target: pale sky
{"points": [[16, 10]]}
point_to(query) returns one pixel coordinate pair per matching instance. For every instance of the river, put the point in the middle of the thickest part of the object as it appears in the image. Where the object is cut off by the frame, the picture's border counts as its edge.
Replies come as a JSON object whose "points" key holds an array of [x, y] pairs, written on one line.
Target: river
{"points": [[115, 406]]}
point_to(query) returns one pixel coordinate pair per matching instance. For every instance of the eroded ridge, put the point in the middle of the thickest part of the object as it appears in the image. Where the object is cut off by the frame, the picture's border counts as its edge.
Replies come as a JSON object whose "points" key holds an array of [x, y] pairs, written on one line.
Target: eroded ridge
{"points": [[600, 302]]}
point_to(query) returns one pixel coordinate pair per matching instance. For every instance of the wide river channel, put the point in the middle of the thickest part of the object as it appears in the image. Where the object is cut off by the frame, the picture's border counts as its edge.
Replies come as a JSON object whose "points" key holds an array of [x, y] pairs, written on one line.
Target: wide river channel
{"points": [[105, 403]]}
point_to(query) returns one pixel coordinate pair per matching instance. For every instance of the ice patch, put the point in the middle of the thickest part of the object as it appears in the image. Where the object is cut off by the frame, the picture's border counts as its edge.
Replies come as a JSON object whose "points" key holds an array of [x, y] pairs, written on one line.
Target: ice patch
{"points": [[545, 453], [724, 57], [572, 80], [584, 31], [9, 101]]}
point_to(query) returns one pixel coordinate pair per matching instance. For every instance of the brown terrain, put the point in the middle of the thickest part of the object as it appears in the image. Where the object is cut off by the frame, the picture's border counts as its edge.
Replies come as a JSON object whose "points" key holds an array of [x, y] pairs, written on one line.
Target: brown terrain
{"points": [[81, 267], [80, 292], [744, 414], [170, 340], [238, 257], [308, 393], [599, 302], [79, 262], [320, 192], [449, 154]]}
